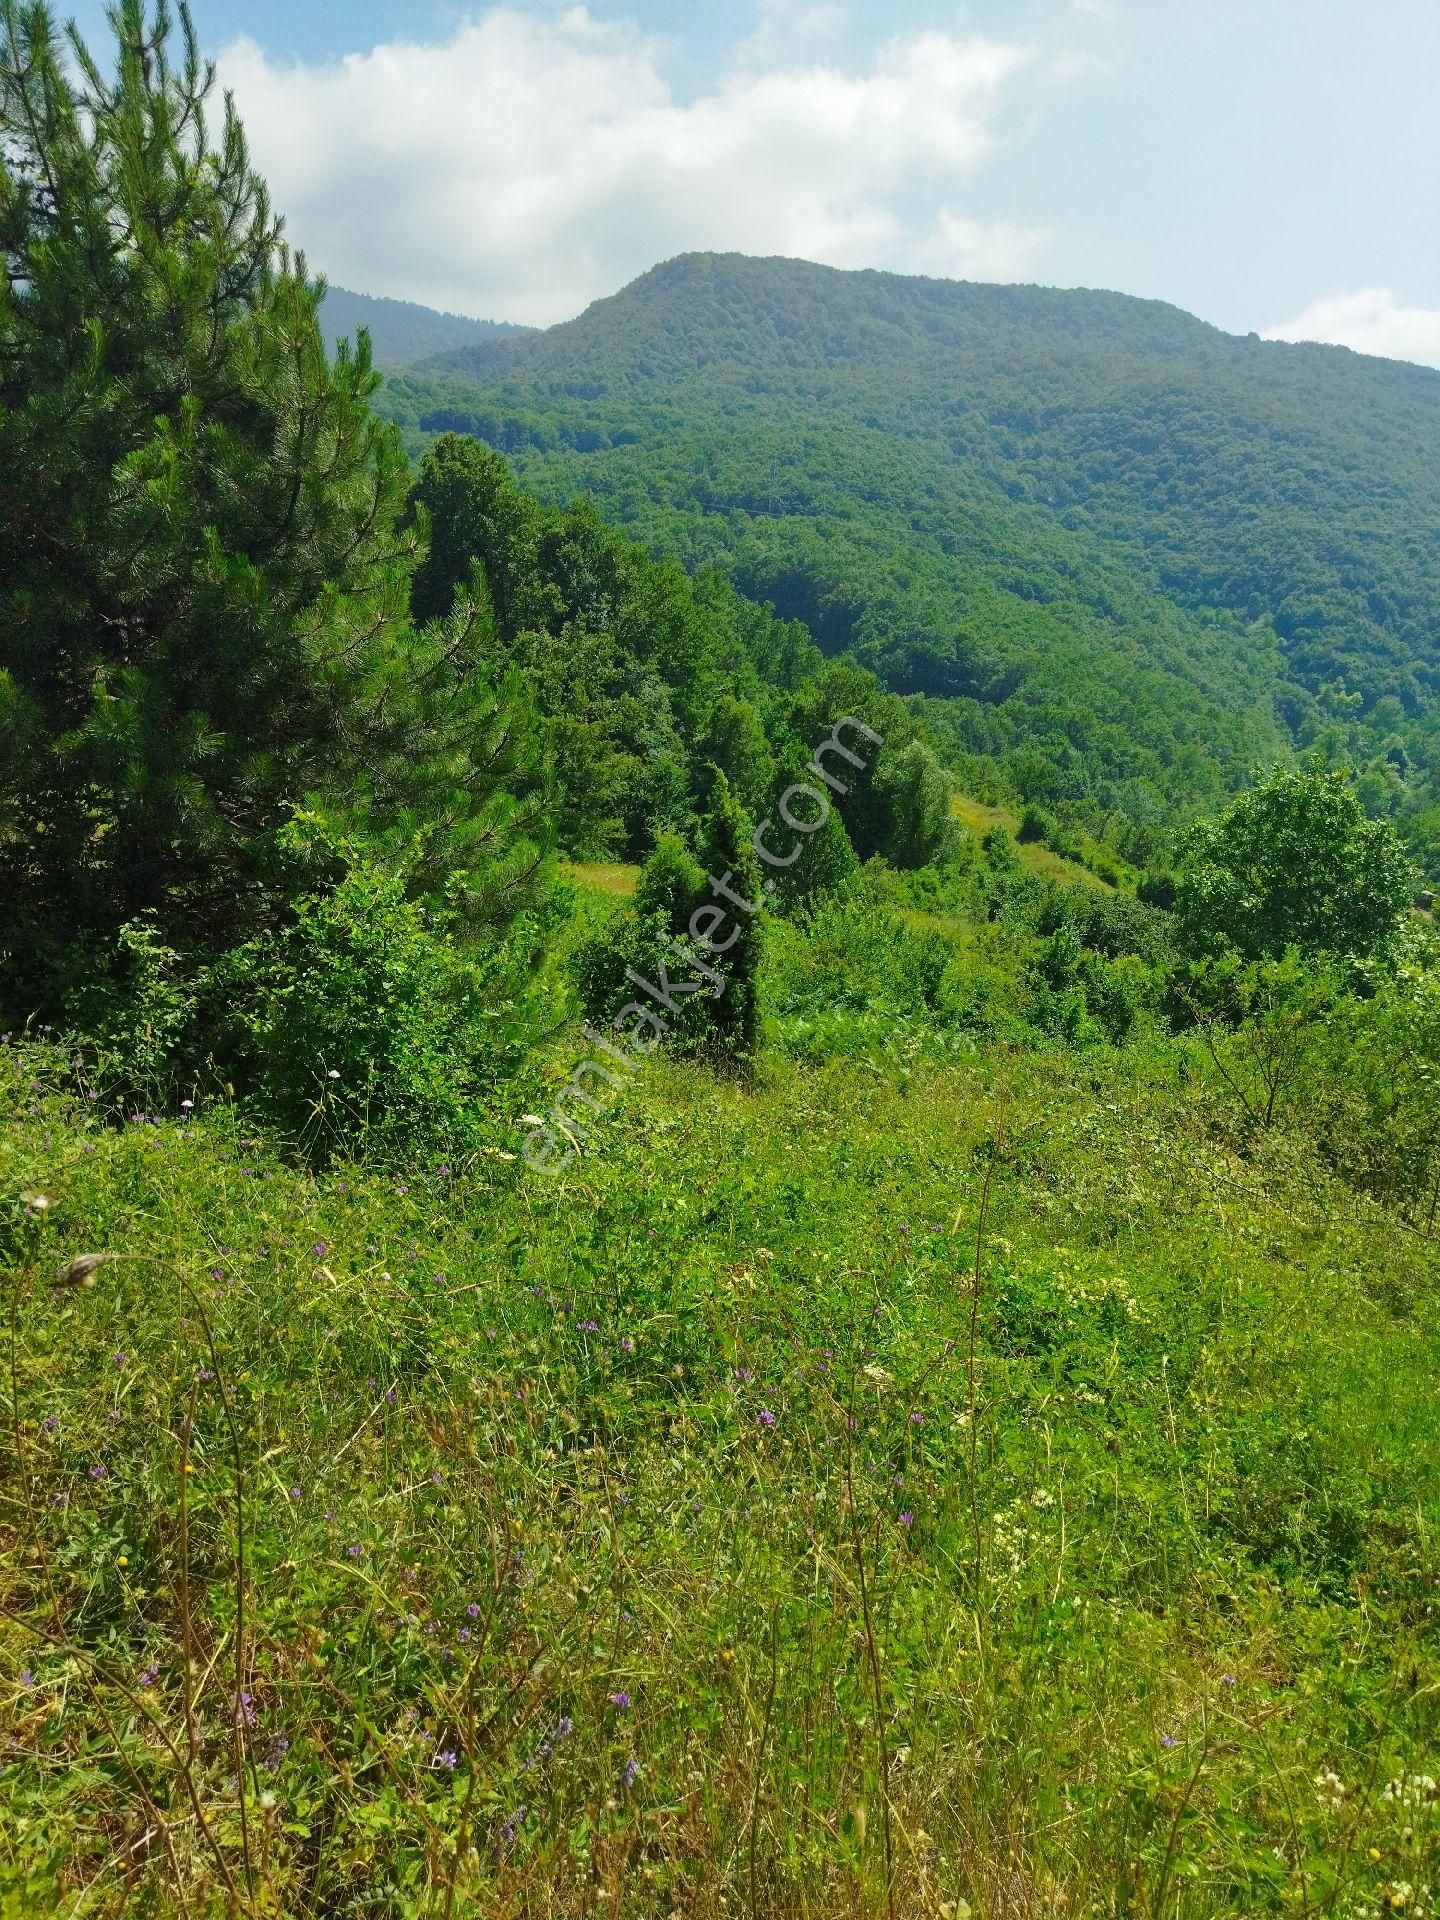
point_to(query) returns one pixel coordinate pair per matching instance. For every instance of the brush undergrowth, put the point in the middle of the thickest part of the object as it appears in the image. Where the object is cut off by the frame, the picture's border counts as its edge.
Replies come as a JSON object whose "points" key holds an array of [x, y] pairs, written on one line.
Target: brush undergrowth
{"points": [[739, 1524]]}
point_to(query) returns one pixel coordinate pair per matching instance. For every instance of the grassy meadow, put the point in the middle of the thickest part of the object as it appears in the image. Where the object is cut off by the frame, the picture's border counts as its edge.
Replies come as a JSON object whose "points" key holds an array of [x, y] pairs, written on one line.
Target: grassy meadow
{"points": [[990, 1493]]}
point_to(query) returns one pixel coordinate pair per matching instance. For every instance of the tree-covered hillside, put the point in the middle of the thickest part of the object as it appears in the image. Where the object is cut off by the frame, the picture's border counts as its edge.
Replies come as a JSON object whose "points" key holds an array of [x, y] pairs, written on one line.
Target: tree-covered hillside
{"points": [[401, 331], [1138, 554]]}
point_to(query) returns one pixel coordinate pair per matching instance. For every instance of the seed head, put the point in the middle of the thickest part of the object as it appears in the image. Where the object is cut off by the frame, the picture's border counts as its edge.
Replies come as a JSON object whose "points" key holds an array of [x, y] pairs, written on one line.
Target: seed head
{"points": [[81, 1272]]}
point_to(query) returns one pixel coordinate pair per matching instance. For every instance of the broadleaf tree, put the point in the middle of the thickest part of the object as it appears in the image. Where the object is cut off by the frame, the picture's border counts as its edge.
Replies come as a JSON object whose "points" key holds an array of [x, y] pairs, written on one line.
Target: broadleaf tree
{"points": [[1294, 862]]}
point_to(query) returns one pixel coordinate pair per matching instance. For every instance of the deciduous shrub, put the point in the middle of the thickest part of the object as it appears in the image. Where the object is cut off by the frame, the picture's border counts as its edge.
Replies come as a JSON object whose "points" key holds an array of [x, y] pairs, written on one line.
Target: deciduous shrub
{"points": [[359, 1026]]}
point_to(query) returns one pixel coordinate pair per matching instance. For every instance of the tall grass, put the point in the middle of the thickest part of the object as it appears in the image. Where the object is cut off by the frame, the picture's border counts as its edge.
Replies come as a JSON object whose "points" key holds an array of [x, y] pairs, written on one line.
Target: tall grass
{"points": [[738, 1525]]}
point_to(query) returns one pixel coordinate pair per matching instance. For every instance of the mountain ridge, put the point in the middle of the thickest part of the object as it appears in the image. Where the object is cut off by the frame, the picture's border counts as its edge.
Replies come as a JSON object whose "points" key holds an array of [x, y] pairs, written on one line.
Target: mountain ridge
{"points": [[1113, 533], [402, 331]]}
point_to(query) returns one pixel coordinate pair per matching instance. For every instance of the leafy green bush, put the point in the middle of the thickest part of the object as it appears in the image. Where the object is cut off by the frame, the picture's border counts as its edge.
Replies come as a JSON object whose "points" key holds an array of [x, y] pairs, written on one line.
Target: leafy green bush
{"points": [[680, 965], [358, 1026], [650, 940], [1378, 1091], [1263, 1024], [853, 952], [1081, 997], [1035, 824], [136, 1021]]}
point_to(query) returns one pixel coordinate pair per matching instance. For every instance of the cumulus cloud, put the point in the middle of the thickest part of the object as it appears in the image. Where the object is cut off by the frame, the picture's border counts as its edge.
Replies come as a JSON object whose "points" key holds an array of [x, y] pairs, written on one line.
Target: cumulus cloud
{"points": [[786, 30], [1370, 321], [960, 248], [525, 167]]}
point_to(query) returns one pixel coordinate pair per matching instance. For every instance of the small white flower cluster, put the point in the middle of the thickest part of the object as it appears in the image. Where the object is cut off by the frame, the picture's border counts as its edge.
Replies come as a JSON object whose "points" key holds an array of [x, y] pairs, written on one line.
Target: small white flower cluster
{"points": [[1398, 1897], [1009, 1539], [1414, 1790], [1330, 1789]]}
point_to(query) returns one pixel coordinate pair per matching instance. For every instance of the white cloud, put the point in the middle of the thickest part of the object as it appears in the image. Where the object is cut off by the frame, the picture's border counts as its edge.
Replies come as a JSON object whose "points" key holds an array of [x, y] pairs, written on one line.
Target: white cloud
{"points": [[965, 249], [788, 30], [1370, 321], [525, 167]]}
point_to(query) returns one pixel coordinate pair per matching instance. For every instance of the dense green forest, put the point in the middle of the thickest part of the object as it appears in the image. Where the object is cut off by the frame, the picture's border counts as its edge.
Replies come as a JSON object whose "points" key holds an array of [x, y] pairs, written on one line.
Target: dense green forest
{"points": [[1133, 556], [402, 332], [719, 1150]]}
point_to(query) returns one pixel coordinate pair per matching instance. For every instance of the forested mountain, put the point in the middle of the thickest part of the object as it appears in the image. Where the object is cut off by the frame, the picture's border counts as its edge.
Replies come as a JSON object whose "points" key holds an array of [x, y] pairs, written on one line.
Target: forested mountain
{"points": [[402, 332], [1134, 555]]}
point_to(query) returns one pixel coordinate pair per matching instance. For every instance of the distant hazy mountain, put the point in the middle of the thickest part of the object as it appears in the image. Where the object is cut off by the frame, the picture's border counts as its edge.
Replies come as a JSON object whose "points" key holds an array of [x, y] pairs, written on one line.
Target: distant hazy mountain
{"points": [[402, 332], [1112, 538]]}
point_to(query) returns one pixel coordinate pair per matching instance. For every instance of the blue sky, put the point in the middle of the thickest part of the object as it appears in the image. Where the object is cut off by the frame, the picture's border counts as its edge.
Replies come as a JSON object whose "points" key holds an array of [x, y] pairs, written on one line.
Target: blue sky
{"points": [[1268, 164]]}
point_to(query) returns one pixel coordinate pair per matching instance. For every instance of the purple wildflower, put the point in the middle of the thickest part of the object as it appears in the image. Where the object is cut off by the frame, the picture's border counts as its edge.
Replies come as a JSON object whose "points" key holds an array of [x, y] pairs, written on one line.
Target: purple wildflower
{"points": [[354, 1550], [447, 1758], [765, 1417], [907, 1519], [627, 1778], [627, 1345], [295, 1493], [98, 1471], [473, 1611], [620, 1699], [1167, 1740], [51, 1422], [117, 1359], [27, 1678]]}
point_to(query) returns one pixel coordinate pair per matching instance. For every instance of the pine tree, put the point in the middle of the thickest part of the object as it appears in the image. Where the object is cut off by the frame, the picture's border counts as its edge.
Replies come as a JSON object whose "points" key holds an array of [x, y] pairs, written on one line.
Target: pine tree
{"points": [[204, 578]]}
